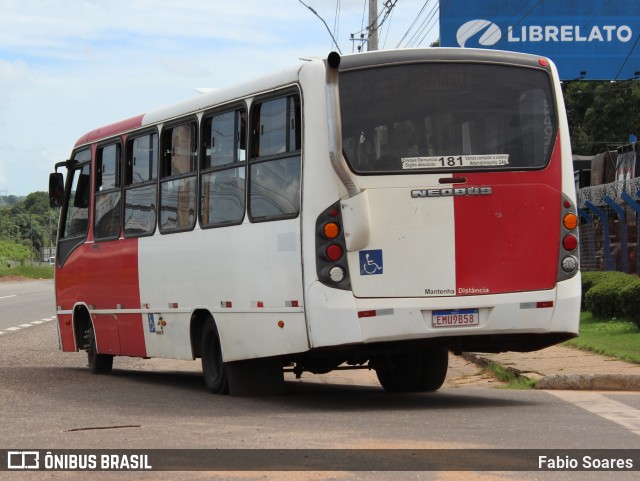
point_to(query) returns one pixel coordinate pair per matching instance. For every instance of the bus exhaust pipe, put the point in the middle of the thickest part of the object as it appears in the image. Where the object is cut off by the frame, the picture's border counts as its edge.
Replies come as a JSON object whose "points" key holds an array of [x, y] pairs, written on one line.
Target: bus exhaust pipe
{"points": [[335, 126]]}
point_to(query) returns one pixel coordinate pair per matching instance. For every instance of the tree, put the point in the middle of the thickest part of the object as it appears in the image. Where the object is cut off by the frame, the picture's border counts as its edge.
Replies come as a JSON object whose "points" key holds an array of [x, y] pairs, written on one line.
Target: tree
{"points": [[29, 222], [601, 114], [13, 251]]}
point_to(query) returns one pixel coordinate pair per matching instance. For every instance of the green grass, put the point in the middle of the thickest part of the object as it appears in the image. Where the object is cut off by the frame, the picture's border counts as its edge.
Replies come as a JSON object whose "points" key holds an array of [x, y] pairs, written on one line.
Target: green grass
{"points": [[31, 272], [617, 338], [513, 380]]}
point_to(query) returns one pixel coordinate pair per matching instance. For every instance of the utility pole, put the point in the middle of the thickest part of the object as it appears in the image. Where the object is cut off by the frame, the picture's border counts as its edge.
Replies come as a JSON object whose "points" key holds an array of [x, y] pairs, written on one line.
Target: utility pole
{"points": [[373, 26]]}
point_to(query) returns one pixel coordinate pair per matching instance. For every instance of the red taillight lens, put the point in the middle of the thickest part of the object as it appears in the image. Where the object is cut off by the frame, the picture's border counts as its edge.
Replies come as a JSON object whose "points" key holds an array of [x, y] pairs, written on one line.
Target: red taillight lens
{"points": [[570, 242], [334, 252], [331, 249]]}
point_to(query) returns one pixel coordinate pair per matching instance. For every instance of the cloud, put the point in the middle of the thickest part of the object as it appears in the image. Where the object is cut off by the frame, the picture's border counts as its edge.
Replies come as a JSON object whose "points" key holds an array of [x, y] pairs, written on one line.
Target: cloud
{"points": [[13, 74], [68, 67]]}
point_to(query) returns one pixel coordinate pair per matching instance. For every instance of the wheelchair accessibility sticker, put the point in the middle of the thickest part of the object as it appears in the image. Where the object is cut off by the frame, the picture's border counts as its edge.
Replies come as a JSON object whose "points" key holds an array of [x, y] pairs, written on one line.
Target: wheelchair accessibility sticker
{"points": [[371, 262]]}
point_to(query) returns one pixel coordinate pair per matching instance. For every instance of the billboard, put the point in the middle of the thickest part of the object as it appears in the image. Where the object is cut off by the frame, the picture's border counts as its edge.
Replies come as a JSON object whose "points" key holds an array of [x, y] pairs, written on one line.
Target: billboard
{"points": [[587, 39]]}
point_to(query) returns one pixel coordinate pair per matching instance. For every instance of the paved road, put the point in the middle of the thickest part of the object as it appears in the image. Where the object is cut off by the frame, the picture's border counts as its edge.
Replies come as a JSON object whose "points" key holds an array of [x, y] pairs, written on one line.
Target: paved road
{"points": [[48, 400], [24, 303]]}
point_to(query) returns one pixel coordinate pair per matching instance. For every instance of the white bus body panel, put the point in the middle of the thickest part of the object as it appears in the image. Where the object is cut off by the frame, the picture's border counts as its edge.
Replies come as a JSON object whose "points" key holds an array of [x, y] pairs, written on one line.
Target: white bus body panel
{"points": [[410, 318], [229, 283]]}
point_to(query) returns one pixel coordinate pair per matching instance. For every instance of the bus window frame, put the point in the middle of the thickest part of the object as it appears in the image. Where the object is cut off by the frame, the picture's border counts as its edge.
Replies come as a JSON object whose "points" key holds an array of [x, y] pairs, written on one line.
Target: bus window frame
{"points": [[128, 186], [118, 188], [237, 108], [66, 245], [188, 120], [287, 93], [437, 171]]}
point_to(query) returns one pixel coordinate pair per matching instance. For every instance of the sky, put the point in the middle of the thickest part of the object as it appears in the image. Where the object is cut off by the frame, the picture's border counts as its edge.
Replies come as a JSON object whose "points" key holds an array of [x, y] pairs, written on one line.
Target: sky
{"points": [[70, 66]]}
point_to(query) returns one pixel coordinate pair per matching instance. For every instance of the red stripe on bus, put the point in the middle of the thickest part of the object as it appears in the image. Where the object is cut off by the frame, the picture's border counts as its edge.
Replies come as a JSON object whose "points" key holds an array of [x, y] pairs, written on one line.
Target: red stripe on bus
{"points": [[111, 129], [106, 275], [509, 241]]}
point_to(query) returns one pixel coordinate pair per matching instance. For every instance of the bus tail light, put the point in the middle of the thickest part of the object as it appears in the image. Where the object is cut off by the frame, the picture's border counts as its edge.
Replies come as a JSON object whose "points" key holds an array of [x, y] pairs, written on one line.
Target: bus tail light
{"points": [[334, 252], [331, 251], [568, 260], [570, 242]]}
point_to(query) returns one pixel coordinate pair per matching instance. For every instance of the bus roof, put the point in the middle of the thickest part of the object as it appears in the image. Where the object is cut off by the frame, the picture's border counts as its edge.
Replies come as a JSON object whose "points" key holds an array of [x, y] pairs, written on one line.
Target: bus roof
{"points": [[286, 77], [439, 54], [195, 104]]}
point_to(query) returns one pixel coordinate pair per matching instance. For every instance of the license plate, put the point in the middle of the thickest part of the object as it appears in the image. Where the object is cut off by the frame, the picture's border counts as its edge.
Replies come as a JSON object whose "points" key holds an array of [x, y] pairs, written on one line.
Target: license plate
{"points": [[455, 318]]}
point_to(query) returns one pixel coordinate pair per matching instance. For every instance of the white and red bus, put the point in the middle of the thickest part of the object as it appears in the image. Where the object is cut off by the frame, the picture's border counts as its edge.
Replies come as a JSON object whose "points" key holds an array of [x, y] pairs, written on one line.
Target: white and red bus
{"points": [[376, 210]]}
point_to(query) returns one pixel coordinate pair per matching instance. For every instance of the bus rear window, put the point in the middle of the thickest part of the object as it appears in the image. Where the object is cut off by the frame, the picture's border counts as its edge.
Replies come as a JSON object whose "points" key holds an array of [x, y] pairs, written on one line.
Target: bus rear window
{"points": [[447, 117]]}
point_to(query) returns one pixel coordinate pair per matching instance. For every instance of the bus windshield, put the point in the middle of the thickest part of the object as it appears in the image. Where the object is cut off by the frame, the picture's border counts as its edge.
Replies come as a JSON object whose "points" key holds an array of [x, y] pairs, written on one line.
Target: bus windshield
{"points": [[439, 117]]}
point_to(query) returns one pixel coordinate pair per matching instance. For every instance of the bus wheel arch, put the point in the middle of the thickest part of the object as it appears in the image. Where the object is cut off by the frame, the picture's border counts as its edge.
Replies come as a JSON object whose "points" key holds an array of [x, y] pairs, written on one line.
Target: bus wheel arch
{"points": [[198, 318], [85, 338], [81, 323]]}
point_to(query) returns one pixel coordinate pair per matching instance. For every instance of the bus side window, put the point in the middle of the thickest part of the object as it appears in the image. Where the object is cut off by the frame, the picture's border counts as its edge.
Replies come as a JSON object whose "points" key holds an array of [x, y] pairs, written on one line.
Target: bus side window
{"points": [[222, 187], [178, 185], [274, 175], [107, 218], [141, 189]]}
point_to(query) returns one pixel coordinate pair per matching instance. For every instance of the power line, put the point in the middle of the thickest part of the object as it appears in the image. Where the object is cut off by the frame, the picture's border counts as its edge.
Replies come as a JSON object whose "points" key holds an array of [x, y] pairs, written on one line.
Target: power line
{"points": [[336, 21], [435, 19], [325, 24], [628, 55], [376, 24], [418, 35], [414, 22], [388, 28], [525, 16]]}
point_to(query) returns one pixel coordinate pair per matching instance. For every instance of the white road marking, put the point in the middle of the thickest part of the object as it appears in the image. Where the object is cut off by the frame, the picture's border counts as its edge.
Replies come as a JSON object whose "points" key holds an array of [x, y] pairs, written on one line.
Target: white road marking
{"points": [[7, 297], [24, 326], [615, 411]]}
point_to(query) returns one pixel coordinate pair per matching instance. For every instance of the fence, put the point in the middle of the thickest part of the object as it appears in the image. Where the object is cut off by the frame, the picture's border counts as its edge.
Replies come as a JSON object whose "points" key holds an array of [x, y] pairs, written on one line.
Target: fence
{"points": [[609, 227]]}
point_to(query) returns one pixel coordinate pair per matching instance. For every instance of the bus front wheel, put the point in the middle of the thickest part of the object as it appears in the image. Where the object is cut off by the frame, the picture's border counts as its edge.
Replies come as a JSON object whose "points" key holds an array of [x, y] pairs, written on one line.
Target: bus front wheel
{"points": [[214, 370], [420, 370], [98, 363]]}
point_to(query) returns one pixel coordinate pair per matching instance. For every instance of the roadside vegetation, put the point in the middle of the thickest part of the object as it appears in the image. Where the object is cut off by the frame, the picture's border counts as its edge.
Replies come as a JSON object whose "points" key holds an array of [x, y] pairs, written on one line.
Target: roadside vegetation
{"points": [[619, 338], [512, 379], [610, 321], [28, 271], [27, 235]]}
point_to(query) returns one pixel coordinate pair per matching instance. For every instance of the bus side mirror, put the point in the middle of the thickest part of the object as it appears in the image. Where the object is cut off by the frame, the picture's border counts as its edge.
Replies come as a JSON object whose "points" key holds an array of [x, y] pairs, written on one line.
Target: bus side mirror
{"points": [[56, 190]]}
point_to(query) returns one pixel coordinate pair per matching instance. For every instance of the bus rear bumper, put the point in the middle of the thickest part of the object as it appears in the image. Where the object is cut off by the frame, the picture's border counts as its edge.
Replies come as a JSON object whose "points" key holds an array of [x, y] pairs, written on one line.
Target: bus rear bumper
{"points": [[490, 323]]}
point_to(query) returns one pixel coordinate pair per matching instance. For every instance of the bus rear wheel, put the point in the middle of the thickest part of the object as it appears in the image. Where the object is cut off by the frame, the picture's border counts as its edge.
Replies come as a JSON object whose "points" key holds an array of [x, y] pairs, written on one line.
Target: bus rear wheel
{"points": [[420, 370], [214, 370], [98, 363]]}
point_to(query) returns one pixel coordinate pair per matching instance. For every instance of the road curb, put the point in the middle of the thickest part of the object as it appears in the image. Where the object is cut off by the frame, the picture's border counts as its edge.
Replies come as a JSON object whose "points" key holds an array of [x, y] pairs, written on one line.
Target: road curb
{"points": [[482, 361], [591, 382], [572, 382]]}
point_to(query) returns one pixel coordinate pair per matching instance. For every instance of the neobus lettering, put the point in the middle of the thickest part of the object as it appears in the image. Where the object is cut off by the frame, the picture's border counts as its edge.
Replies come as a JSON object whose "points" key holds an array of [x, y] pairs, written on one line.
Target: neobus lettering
{"points": [[449, 192]]}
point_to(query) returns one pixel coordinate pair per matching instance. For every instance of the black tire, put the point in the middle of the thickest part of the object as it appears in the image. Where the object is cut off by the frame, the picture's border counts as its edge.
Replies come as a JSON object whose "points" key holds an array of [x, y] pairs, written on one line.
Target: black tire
{"points": [[400, 372], [435, 363], [420, 370], [214, 370], [98, 363]]}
